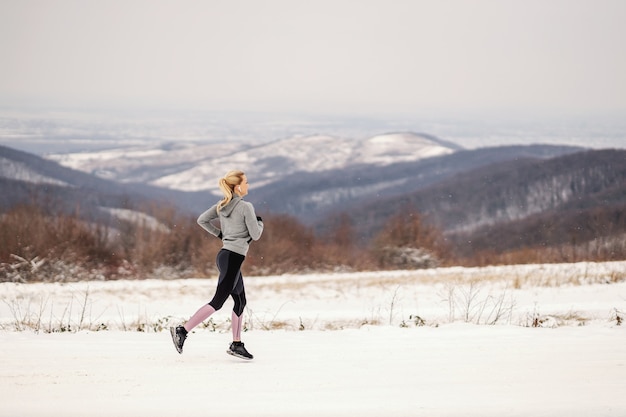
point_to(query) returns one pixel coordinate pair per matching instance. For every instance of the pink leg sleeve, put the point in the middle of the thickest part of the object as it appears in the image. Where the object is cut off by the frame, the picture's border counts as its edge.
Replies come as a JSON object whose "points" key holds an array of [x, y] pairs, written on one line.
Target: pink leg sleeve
{"points": [[236, 325], [201, 315]]}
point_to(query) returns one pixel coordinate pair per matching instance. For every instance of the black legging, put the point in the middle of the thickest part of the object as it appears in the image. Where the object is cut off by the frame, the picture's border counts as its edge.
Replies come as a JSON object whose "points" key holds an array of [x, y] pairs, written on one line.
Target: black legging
{"points": [[230, 281]]}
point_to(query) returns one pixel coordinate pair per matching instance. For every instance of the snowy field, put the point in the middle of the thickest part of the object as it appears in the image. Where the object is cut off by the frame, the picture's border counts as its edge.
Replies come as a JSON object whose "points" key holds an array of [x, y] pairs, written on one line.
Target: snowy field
{"points": [[532, 340]]}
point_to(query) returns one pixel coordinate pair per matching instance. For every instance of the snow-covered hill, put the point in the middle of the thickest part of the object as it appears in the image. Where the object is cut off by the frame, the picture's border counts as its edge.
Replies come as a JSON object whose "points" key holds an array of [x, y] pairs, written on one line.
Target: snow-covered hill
{"points": [[21, 171], [143, 163], [190, 167]]}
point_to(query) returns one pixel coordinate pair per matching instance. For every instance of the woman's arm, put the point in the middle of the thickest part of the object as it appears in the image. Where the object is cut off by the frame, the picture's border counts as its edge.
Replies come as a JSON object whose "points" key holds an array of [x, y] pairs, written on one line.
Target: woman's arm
{"points": [[205, 221], [253, 223]]}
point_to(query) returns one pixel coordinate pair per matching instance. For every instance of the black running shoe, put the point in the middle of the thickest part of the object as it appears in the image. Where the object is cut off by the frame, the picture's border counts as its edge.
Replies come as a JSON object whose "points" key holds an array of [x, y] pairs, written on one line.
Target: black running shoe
{"points": [[179, 334], [237, 349]]}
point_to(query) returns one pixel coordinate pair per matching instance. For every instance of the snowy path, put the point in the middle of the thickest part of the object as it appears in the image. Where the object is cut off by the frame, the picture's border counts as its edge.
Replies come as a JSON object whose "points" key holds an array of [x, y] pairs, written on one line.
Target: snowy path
{"points": [[336, 366], [452, 370]]}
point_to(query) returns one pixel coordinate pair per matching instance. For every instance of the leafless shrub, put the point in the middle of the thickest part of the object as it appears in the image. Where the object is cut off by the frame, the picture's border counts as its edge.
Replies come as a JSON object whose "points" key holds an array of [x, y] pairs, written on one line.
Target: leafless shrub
{"points": [[267, 324], [476, 307], [406, 258], [42, 317]]}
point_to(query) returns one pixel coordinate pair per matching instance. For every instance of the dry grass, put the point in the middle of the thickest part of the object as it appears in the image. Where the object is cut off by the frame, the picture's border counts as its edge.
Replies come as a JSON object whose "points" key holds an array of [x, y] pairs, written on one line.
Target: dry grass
{"points": [[475, 295], [513, 276]]}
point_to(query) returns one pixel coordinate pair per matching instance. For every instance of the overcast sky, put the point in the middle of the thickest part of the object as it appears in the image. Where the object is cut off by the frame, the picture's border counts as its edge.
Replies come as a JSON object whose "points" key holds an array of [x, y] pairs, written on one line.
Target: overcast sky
{"points": [[337, 56]]}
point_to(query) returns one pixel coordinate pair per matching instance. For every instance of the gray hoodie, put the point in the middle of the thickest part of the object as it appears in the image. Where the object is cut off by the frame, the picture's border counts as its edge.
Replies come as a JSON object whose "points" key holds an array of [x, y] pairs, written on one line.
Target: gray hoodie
{"points": [[238, 224]]}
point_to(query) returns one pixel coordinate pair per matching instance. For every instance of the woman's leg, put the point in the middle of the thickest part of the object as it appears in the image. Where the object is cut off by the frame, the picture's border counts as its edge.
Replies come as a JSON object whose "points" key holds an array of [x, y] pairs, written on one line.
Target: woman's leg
{"points": [[228, 263], [239, 297], [236, 325], [201, 315]]}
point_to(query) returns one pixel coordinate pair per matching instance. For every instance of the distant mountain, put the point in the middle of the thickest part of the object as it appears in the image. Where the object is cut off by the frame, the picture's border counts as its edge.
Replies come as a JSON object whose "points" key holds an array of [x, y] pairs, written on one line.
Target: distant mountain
{"points": [[337, 173], [189, 167], [312, 196], [143, 163], [515, 190], [26, 178], [501, 198], [575, 197]]}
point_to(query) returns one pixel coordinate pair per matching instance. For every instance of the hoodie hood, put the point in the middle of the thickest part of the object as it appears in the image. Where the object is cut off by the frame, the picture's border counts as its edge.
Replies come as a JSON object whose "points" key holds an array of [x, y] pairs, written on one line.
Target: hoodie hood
{"points": [[228, 208]]}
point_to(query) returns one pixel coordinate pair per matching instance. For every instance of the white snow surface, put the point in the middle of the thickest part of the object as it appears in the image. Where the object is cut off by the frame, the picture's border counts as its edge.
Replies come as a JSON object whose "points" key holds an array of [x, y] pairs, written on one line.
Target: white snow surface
{"points": [[343, 344]]}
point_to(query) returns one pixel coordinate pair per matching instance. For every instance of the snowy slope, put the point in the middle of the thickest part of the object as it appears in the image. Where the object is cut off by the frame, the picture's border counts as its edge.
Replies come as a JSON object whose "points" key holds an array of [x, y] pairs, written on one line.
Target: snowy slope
{"points": [[270, 162], [20, 171], [398, 147], [188, 166], [142, 163]]}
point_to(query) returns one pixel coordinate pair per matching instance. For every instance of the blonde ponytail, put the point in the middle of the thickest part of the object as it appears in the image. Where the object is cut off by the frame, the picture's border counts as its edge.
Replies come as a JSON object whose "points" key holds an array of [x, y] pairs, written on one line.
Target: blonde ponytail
{"points": [[227, 184]]}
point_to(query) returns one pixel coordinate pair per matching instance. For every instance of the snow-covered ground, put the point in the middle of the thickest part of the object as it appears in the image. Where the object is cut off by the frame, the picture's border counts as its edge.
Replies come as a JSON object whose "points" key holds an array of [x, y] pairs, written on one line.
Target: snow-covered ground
{"points": [[402, 343]]}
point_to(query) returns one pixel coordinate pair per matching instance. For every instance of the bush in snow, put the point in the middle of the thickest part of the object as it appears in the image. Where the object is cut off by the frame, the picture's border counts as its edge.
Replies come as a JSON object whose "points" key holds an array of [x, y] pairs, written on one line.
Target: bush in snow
{"points": [[406, 258]]}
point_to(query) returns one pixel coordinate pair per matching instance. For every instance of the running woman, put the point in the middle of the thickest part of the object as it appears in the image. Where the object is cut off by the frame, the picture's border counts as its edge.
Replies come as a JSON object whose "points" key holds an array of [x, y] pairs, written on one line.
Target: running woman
{"points": [[239, 225]]}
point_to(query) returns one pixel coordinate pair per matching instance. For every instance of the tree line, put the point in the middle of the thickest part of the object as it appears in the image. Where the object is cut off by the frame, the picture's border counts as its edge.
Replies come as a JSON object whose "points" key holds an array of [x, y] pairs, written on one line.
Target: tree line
{"points": [[36, 245]]}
